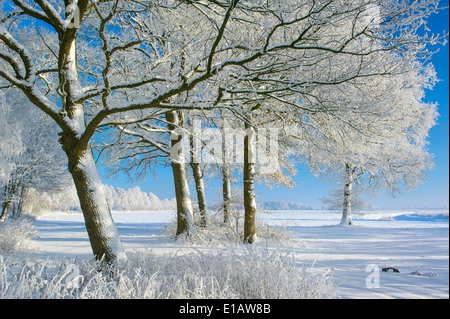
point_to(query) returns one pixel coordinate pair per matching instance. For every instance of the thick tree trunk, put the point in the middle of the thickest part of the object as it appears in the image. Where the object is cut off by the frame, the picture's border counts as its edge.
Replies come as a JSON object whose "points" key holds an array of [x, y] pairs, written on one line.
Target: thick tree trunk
{"points": [[185, 219], [347, 205], [103, 234], [249, 186], [185, 216], [102, 231]]}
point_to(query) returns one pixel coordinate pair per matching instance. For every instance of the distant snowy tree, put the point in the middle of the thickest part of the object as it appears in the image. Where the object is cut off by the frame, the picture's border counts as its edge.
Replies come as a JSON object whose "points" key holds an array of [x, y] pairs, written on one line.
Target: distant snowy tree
{"points": [[40, 163], [10, 141], [58, 200], [134, 199], [335, 199], [119, 199], [384, 143], [347, 195], [284, 205]]}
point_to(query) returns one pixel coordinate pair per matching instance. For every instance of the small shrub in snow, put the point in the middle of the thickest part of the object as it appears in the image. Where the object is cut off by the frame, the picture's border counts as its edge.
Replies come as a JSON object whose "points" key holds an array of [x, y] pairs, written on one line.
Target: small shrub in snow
{"points": [[223, 275], [15, 234], [219, 234], [275, 234]]}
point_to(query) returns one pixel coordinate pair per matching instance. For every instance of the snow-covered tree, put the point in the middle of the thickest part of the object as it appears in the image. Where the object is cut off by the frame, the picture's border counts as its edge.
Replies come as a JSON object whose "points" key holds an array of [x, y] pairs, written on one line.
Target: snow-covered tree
{"points": [[10, 141], [139, 147], [83, 61], [384, 142], [40, 164], [335, 199], [134, 199]]}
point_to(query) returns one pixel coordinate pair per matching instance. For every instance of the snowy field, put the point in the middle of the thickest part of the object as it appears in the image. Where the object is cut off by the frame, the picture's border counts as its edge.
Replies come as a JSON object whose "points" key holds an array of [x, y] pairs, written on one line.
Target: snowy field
{"points": [[416, 243]]}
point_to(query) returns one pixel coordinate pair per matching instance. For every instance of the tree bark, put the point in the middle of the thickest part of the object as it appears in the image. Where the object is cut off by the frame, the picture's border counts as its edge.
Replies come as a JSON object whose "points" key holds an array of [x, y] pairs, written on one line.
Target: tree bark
{"points": [[226, 175], [200, 189], [226, 192], [249, 186], [185, 216], [198, 176], [9, 193], [103, 234], [18, 205], [102, 231], [347, 205], [5, 208]]}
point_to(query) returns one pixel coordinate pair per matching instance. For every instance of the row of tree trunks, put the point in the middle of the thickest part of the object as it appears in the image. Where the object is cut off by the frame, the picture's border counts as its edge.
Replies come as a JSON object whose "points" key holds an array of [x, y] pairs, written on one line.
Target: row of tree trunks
{"points": [[9, 194], [185, 220], [13, 194]]}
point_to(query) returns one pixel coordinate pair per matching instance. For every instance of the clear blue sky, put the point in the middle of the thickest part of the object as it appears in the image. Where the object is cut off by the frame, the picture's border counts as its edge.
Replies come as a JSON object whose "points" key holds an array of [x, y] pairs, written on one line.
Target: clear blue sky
{"points": [[434, 193]]}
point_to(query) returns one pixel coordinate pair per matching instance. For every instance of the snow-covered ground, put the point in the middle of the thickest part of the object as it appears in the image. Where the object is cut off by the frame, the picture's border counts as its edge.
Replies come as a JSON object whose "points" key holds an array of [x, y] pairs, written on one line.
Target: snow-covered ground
{"points": [[416, 243]]}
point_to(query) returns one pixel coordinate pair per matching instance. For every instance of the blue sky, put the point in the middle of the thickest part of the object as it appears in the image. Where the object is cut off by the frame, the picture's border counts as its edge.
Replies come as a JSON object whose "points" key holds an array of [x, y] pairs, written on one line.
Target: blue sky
{"points": [[434, 193]]}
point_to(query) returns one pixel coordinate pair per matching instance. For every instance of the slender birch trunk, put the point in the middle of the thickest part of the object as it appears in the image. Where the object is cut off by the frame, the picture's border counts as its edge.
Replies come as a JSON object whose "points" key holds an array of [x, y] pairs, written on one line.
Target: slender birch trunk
{"points": [[249, 186], [185, 216], [347, 205]]}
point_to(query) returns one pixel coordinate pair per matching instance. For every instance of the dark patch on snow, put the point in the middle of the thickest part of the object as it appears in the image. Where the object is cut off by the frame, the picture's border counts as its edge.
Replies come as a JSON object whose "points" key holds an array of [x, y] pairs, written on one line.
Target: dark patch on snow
{"points": [[386, 269]]}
